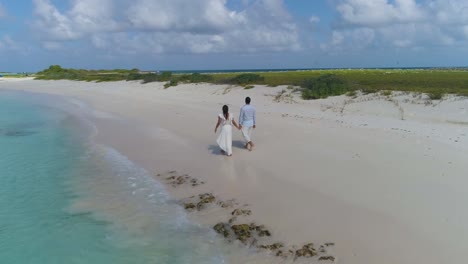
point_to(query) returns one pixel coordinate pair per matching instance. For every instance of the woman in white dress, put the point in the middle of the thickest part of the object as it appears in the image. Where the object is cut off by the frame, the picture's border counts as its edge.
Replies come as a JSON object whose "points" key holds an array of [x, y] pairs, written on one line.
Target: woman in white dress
{"points": [[226, 121]]}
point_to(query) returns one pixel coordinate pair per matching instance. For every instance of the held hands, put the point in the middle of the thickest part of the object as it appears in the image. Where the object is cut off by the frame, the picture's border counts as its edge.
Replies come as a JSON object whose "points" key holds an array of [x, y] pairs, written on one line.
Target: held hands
{"points": [[254, 126]]}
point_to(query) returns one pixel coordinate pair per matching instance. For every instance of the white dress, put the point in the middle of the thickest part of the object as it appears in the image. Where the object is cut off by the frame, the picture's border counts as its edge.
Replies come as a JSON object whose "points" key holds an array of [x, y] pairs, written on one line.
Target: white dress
{"points": [[225, 136]]}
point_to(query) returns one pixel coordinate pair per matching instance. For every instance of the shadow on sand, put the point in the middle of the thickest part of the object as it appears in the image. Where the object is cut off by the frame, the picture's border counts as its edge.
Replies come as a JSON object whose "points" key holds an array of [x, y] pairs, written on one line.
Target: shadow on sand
{"points": [[215, 150]]}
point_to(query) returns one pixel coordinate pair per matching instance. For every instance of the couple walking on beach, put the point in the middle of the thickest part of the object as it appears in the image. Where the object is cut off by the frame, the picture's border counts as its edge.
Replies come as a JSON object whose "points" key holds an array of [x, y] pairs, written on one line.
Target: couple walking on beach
{"points": [[246, 125]]}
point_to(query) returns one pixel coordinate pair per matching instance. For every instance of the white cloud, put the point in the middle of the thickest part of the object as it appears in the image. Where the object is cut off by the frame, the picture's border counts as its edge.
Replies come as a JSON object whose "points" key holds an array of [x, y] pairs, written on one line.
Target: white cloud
{"points": [[380, 12], [3, 12], [465, 31], [52, 45], [355, 39], [202, 16], [401, 23], [90, 16], [52, 23], [99, 41], [453, 12], [272, 8], [314, 19], [8, 44], [161, 26]]}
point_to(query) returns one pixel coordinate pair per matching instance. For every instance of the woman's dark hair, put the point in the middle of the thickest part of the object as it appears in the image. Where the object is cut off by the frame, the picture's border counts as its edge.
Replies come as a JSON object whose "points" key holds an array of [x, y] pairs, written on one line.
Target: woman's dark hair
{"points": [[247, 100], [225, 111]]}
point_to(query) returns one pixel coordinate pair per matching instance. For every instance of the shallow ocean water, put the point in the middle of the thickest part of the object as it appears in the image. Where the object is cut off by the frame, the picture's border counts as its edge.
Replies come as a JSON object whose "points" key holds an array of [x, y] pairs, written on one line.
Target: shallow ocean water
{"points": [[64, 199]]}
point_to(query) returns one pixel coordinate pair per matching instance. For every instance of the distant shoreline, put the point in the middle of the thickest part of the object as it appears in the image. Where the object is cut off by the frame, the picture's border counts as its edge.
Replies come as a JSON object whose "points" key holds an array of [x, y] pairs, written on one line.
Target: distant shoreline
{"points": [[259, 70], [313, 83], [464, 68]]}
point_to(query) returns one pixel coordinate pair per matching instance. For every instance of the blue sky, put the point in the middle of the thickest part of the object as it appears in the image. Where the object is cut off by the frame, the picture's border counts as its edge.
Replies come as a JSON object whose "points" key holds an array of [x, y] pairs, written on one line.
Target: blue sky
{"points": [[232, 34]]}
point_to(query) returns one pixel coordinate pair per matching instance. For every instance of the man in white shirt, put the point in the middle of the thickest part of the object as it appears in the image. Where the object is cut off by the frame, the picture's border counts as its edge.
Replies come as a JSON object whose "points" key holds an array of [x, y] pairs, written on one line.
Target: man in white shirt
{"points": [[247, 122]]}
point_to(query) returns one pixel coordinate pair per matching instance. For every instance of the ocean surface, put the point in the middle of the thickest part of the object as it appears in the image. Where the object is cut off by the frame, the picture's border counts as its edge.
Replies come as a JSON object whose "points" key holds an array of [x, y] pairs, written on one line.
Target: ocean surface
{"points": [[462, 68], [64, 199]]}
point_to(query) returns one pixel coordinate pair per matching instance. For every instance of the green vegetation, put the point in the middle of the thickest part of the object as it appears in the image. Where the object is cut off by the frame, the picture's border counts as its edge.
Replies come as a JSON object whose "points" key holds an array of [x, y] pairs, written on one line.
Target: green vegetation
{"points": [[315, 83], [386, 93], [370, 81], [195, 78], [435, 95], [351, 94], [323, 86], [153, 77], [55, 72], [135, 76], [172, 82], [244, 79]]}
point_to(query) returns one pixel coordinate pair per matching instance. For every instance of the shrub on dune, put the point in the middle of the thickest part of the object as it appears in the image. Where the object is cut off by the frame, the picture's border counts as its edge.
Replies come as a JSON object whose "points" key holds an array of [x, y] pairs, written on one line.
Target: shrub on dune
{"points": [[323, 86]]}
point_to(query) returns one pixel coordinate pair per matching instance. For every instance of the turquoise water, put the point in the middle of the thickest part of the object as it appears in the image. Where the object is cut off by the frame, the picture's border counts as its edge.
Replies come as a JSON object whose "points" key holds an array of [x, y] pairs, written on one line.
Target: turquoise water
{"points": [[66, 200]]}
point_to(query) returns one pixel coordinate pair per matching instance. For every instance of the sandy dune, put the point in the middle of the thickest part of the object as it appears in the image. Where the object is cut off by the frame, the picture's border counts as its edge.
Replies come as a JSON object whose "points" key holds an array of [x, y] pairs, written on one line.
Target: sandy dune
{"points": [[384, 177]]}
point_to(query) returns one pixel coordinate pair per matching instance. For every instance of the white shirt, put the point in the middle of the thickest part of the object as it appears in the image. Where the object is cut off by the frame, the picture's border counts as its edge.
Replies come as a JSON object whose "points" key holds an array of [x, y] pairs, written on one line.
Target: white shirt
{"points": [[247, 116]]}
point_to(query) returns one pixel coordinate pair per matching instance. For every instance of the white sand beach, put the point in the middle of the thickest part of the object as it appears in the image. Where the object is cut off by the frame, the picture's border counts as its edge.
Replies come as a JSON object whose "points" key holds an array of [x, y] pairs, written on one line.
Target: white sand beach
{"points": [[382, 177]]}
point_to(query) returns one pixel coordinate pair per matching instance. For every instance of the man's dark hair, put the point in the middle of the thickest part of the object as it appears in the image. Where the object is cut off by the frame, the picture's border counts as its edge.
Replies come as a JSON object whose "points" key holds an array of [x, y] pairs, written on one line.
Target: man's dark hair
{"points": [[247, 100]]}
